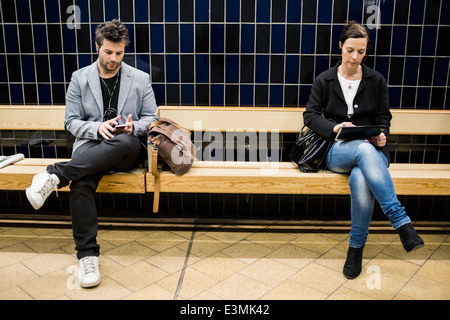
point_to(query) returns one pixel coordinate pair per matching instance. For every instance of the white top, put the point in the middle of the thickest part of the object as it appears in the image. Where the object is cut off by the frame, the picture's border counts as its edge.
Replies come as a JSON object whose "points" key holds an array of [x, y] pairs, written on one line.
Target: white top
{"points": [[349, 88]]}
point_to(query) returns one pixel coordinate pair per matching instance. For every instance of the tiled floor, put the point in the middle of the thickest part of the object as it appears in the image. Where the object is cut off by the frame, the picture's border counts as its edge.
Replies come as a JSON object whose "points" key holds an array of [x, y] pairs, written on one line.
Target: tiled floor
{"points": [[223, 262]]}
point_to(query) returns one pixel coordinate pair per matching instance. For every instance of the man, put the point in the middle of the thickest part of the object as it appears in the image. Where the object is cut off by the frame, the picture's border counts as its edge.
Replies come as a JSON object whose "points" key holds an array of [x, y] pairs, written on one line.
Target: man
{"points": [[100, 97]]}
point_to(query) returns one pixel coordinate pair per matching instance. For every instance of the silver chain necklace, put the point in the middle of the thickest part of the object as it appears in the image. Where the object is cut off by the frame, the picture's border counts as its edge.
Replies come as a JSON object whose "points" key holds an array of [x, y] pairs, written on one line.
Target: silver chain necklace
{"points": [[110, 94]]}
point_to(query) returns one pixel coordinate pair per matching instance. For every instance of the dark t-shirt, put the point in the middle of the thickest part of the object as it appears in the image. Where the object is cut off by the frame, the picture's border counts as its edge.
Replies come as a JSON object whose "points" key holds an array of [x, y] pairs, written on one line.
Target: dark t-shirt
{"points": [[110, 92]]}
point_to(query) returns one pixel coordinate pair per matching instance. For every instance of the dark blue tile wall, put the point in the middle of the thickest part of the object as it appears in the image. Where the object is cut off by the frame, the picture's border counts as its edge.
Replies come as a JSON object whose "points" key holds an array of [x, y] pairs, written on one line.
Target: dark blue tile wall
{"points": [[233, 52]]}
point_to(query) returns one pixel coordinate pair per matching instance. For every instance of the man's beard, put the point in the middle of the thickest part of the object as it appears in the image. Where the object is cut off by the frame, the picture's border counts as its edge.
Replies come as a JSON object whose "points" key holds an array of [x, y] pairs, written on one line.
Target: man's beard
{"points": [[108, 69]]}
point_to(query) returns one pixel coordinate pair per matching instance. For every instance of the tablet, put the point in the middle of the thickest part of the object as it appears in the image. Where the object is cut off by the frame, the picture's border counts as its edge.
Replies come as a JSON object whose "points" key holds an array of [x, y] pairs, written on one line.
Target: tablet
{"points": [[359, 132]]}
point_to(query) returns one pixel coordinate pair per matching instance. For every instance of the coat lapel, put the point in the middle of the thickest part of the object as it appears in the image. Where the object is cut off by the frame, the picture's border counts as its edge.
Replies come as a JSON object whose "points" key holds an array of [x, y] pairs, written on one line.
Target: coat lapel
{"points": [[125, 85], [336, 85], [94, 84], [367, 73], [338, 89]]}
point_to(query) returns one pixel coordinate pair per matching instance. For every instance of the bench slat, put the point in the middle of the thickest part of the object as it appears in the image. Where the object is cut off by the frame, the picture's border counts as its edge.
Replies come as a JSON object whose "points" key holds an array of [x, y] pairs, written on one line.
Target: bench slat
{"points": [[38, 161], [238, 118], [19, 177], [250, 181], [432, 122], [243, 165], [289, 165], [405, 121], [419, 167], [32, 117], [226, 177]]}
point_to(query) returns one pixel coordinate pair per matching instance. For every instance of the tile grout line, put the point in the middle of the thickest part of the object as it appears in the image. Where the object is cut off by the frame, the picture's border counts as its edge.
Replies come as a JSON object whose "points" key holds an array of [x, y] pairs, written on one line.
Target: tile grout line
{"points": [[186, 259]]}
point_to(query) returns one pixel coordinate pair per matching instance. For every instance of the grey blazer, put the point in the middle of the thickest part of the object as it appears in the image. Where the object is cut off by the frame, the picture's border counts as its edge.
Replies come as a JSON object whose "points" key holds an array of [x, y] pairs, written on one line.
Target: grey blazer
{"points": [[84, 102]]}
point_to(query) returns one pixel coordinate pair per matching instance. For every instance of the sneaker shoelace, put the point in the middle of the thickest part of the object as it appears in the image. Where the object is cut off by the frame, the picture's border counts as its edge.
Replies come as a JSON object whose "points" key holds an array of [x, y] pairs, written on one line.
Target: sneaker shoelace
{"points": [[89, 265], [48, 187]]}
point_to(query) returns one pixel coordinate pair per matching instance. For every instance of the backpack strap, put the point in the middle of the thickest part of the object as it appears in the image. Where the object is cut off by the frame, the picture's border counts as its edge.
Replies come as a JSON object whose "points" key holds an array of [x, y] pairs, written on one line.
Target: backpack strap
{"points": [[155, 169]]}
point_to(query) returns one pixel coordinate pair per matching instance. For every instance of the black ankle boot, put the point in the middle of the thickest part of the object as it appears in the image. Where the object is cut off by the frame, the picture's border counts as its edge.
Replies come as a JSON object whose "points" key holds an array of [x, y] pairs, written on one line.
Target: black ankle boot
{"points": [[353, 264], [409, 237]]}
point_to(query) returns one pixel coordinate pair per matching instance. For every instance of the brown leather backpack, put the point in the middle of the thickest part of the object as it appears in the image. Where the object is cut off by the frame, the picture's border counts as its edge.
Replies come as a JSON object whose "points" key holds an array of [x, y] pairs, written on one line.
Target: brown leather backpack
{"points": [[171, 143]]}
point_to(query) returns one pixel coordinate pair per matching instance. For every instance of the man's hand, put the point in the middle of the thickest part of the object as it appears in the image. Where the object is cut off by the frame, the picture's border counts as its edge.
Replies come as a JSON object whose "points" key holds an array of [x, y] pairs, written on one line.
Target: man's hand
{"points": [[129, 126], [106, 129]]}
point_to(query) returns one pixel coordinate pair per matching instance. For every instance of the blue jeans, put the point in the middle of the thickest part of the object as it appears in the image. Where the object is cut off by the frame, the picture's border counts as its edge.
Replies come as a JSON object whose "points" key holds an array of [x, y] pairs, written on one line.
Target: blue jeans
{"points": [[369, 180]]}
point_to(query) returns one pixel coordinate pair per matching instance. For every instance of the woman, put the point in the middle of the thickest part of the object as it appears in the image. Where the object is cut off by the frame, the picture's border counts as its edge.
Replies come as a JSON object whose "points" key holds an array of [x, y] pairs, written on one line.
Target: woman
{"points": [[351, 94]]}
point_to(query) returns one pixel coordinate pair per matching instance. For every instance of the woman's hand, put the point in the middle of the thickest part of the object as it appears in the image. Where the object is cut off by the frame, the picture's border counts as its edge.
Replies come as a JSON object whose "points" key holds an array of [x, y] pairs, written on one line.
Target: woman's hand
{"points": [[342, 124], [378, 141]]}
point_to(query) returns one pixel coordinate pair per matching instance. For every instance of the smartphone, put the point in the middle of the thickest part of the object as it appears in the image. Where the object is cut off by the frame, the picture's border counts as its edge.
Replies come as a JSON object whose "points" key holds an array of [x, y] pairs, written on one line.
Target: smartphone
{"points": [[120, 126]]}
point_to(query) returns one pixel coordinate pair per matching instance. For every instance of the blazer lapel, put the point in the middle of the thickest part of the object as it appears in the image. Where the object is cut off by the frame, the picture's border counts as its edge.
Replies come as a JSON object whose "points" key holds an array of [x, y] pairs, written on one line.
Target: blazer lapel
{"points": [[125, 85], [338, 89], [331, 76], [94, 84], [367, 73], [361, 86]]}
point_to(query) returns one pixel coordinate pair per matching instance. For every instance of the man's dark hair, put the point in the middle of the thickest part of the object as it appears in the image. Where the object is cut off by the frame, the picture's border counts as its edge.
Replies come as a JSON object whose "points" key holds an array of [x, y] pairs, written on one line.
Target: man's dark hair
{"points": [[113, 31]]}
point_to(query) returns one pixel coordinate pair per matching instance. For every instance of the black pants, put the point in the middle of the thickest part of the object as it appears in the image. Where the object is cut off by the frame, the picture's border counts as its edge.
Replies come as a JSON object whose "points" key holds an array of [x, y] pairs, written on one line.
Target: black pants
{"points": [[84, 171]]}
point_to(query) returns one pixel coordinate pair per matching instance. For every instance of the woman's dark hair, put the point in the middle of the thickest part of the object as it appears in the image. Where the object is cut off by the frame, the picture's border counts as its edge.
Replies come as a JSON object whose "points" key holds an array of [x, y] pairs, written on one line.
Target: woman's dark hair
{"points": [[355, 30], [113, 31]]}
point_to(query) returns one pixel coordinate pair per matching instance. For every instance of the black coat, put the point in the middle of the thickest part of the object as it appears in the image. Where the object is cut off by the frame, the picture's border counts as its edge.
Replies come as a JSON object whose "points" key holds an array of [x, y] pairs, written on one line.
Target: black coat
{"points": [[327, 107]]}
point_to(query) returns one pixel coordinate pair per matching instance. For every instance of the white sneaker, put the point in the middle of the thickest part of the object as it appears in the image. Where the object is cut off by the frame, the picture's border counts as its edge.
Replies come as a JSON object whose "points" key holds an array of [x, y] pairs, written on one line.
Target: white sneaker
{"points": [[42, 186], [89, 274]]}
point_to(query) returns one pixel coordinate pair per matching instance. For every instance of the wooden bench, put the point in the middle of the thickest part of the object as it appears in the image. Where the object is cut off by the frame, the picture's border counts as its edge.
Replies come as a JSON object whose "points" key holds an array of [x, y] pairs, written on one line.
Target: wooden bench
{"points": [[234, 176], [19, 175], [284, 177]]}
